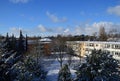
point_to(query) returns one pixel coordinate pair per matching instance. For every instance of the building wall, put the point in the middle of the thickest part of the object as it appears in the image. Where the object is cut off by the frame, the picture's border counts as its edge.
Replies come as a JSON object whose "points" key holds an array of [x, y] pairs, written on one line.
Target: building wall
{"points": [[77, 46], [45, 48], [85, 47], [82, 49]]}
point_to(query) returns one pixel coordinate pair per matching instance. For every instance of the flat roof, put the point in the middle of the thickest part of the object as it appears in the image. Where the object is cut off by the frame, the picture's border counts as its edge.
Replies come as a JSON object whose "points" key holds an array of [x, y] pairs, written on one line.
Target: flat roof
{"points": [[45, 40], [102, 42]]}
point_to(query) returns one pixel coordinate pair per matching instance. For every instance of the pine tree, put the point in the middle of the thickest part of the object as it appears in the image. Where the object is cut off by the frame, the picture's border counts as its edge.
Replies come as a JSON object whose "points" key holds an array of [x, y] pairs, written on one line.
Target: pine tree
{"points": [[26, 43], [102, 34], [64, 74], [6, 48], [13, 43], [6, 43], [28, 70], [10, 57], [21, 47], [99, 66], [7, 59]]}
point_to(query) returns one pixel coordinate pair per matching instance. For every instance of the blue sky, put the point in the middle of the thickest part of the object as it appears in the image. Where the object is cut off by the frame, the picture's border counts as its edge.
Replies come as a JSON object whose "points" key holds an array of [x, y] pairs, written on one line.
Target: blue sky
{"points": [[52, 17]]}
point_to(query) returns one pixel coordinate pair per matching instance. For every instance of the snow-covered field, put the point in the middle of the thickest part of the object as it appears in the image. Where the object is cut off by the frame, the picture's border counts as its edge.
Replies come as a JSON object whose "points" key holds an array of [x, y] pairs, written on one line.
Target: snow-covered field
{"points": [[52, 65]]}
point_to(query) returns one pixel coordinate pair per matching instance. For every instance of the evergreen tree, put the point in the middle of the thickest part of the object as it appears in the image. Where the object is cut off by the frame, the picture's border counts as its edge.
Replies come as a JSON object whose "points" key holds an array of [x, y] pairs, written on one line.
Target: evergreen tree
{"points": [[10, 57], [13, 43], [99, 66], [28, 70], [102, 34], [5, 48], [21, 47], [64, 74], [7, 59], [26, 43], [6, 43]]}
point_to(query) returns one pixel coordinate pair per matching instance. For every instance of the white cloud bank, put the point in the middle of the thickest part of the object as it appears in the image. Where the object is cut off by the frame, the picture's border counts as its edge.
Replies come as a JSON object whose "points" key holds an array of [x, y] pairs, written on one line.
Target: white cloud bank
{"points": [[89, 29], [42, 28], [114, 10], [16, 31], [86, 28]]}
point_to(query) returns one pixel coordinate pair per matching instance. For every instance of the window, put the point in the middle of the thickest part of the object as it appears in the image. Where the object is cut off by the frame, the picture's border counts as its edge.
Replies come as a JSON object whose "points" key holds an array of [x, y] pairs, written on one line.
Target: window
{"points": [[86, 49], [117, 46], [113, 46], [107, 45], [91, 44], [119, 54], [113, 53], [116, 53]]}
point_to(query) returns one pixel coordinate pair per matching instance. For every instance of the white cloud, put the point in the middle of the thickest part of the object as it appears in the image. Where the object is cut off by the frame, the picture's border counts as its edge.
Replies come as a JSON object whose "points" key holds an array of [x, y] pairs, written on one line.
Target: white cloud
{"points": [[114, 10], [54, 18], [59, 29], [107, 25], [42, 28], [16, 31], [19, 1], [52, 30], [89, 29], [67, 30], [86, 28], [78, 30]]}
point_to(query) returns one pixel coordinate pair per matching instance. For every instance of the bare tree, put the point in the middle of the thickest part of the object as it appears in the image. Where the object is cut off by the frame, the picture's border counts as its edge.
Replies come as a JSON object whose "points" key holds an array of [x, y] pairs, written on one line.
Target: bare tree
{"points": [[113, 33], [36, 52], [94, 35], [70, 54], [102, 34], [59, 48]]}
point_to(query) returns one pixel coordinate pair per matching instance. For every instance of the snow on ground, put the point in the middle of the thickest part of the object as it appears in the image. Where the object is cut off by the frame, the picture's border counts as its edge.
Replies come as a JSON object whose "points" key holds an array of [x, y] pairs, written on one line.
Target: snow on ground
{"points": [[53, 70], [52, 65]]}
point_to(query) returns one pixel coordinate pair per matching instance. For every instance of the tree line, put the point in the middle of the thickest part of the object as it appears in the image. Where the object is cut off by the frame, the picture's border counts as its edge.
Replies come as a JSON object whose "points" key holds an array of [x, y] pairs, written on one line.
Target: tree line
{"points": [[101, 35]]}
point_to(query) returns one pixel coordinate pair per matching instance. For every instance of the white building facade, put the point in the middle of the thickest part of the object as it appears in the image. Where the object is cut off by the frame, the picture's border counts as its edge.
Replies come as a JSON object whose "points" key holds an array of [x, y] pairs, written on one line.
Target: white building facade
{"points": [[86, 47]]}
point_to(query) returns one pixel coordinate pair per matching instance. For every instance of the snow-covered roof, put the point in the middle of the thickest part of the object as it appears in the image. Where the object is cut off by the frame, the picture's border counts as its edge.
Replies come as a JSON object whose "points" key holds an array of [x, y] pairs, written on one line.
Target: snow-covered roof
{"points": [[32, 41], [114, 39], [99, 42], [102, 42], [45, 40]]}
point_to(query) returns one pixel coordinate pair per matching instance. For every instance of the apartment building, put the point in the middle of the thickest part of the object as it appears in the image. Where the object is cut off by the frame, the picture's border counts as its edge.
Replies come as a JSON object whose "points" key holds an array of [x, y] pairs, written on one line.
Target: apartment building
{"points": [[77, 46], [83, 48]]}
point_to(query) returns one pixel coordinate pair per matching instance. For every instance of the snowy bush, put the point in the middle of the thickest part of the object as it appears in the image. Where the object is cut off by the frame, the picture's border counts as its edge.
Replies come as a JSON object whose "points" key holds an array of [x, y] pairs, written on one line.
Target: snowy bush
{"points": [[28, 70], [64, 74], [99, 66]]}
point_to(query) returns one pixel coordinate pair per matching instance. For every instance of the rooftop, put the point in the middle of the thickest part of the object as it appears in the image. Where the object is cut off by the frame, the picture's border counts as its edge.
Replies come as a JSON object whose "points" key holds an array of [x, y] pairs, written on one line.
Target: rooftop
{"points": [[47, 40], [102, 42]]}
